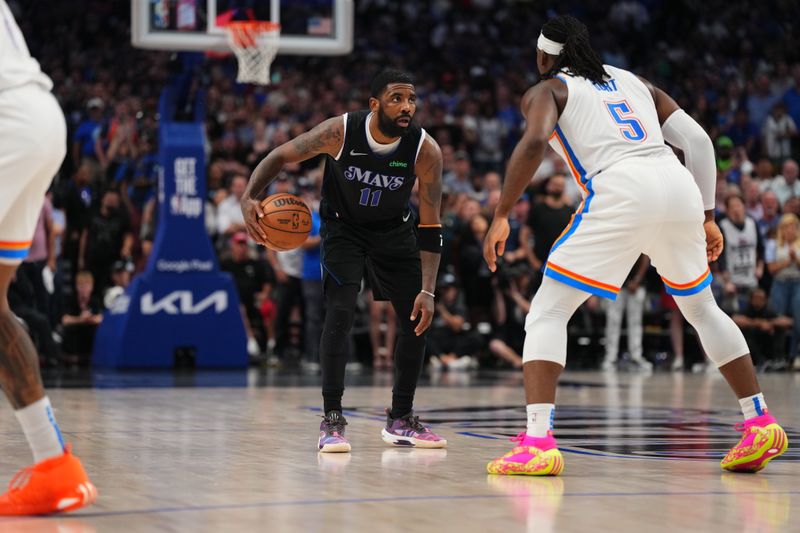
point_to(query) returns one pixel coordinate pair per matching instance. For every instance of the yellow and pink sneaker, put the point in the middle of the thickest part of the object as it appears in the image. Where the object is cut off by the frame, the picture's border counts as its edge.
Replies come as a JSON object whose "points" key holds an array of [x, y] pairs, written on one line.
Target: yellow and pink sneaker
{"points": [[762, 440], [532, 457]]}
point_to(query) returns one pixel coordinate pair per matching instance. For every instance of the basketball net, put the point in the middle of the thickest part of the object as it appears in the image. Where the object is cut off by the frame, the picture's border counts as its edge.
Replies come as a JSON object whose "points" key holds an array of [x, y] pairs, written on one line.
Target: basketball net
{"points": [[255, 44]]}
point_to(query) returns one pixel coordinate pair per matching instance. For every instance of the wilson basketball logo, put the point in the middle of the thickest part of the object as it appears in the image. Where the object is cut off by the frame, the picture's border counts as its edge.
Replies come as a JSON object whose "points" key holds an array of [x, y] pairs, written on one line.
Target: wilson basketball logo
{"points": [[289, 201]]}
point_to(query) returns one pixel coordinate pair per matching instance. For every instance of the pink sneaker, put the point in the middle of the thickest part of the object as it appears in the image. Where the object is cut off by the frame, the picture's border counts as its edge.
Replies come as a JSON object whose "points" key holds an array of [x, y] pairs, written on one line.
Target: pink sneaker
{"points": [[762, 440], [532, 457]]}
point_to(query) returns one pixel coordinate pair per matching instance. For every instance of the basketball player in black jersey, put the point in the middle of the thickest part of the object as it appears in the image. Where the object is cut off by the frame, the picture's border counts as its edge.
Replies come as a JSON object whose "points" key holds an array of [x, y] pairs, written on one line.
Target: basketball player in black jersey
{"points": [[372, 159]]}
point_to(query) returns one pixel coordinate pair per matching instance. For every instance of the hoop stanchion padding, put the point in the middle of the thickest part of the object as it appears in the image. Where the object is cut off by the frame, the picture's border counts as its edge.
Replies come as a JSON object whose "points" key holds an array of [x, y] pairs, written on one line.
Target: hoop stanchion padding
{"points": [[182, 302]]}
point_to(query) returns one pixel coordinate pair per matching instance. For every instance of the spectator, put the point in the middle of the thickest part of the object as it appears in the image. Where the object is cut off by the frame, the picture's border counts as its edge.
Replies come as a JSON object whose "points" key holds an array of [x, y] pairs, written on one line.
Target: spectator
{"points": [[121, 272], [778, 131], [752, 200], [743, 133], [253, 284], [118, 145], [764, 173], [78, 204], [475, 275], [786, 185], [288, 269], [741, 262], [83, 146], [451, 342], [382, 329], [783, 261], [546, 221], [491, 135], [81, 319], [514, 288], [40, 264], [792, 96], [107, 238], [764, 330], [21, 300], [518, 242], [630, 300], [761, 100], [229, 211], [725, 157], [460, 181], [771, 214], [312, 288]]}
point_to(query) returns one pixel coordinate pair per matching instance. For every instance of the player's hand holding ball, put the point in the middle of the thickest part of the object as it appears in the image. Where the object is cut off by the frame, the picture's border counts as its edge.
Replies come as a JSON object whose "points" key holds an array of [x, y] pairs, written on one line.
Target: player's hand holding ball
{"points": [[252, 213], [280, 222]]}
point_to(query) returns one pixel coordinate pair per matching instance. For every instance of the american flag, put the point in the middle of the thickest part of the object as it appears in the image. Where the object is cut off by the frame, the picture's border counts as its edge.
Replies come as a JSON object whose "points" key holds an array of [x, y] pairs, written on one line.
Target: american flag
{"points": [[320, 26]]}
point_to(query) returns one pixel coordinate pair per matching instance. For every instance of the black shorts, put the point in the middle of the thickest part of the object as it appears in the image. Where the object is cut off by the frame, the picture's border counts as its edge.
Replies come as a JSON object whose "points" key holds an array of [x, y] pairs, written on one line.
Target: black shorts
{"points": [[389, 258]]}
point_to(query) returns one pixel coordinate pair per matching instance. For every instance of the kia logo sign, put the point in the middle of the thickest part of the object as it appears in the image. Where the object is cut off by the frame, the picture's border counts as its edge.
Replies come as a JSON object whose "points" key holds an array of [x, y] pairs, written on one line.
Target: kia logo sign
{"points": [[182, 303]]}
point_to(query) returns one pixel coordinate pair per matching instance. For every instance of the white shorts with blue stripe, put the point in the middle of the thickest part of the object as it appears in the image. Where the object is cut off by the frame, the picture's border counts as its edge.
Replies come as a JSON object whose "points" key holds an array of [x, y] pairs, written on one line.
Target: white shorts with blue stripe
{"points": [[34, 143], [639, 205]]}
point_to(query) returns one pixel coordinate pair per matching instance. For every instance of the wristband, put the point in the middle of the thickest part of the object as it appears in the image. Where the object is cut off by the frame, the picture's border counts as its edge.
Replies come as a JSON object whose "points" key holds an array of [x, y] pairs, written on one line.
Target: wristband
{"points": [[429, 238], [423, 291]]}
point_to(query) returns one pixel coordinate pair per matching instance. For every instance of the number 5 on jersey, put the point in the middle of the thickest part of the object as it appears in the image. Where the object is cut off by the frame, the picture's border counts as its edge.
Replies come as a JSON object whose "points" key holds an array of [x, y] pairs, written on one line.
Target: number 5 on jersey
{"points": [[629, 125]]}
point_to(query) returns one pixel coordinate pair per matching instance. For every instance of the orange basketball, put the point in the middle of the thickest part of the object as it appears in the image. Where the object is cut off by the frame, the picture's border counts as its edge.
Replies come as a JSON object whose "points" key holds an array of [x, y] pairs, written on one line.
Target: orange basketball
{"points": [[286, 221]]}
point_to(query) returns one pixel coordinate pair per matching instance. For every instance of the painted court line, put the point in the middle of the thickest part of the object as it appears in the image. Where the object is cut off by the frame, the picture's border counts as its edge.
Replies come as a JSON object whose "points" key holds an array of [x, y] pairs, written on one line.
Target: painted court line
{"points": [[395, 499]]}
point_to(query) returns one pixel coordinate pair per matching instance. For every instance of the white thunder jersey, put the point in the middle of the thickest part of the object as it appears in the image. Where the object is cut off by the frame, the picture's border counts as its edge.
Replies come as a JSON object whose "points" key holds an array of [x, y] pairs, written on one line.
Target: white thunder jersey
{"points": [[17, 67], [604, 124], [638, 198]]}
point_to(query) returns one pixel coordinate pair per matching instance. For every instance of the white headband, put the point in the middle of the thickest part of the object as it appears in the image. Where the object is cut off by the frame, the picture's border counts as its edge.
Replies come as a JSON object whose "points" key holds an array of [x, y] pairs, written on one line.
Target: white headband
{"points": [[549, 46]]}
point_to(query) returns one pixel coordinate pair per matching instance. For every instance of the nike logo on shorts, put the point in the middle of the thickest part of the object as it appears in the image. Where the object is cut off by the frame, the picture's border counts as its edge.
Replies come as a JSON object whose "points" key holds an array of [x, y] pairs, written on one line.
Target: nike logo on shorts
{"points": [[405, 218], [353, 152]]}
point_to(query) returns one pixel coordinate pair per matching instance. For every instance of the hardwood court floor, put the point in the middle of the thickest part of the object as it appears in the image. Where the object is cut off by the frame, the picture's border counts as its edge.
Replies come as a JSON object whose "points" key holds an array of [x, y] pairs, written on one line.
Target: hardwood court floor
{"points": [[641, 454]]}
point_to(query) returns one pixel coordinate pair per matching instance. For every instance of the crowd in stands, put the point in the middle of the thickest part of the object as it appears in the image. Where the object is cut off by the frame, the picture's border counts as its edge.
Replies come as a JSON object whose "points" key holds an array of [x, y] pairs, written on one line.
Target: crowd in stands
{"points": [[734, 68]]}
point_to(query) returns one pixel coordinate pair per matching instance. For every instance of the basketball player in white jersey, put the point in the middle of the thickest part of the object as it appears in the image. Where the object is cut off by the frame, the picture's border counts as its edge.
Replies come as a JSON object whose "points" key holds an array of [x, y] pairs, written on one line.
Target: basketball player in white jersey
{"points": [[610, 127], [33, 139]]}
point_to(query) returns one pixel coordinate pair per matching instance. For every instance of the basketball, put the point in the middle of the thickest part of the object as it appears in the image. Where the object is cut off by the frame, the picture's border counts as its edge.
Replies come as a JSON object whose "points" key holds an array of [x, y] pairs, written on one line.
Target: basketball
{"points": [[286, 221]]}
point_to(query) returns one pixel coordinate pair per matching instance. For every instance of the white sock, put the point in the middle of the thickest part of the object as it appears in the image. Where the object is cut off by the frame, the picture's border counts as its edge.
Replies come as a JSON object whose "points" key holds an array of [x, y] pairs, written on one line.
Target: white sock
{"points": [[540, 419], [41, 430], [753, 406]]}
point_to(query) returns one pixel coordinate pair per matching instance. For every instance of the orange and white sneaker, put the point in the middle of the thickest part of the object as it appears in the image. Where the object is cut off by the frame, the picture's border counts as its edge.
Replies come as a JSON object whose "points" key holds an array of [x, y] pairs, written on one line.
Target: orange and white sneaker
{"points": [[532, 457], [55, 485], [762, 441]]}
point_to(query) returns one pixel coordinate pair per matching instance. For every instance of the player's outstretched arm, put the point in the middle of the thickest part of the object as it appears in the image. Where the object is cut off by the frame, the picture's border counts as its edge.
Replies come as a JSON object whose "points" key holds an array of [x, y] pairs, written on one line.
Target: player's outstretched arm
{"points": [[540, 110], [326, 138], [429, 175]]}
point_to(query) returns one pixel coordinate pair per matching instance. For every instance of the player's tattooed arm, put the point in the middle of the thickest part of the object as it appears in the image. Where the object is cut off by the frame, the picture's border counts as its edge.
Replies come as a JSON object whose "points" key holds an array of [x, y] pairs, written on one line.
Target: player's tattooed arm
{"points": [[326, 138], [429, 175]]}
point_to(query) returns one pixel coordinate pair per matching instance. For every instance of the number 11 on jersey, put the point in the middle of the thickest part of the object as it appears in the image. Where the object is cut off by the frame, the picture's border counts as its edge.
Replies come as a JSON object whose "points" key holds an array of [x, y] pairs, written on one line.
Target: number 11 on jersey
{"points": [[629, 125], [369, 197]]}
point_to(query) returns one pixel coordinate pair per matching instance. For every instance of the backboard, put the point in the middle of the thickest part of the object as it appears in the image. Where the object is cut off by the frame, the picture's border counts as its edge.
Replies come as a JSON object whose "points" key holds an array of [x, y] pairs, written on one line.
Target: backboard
{"points": [[308, 27]]}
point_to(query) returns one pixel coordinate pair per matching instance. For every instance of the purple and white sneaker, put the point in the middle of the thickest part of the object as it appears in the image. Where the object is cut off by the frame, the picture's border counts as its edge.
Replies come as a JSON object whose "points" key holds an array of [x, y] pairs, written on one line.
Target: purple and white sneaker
{"points": [[331, 433], [409, 431]]}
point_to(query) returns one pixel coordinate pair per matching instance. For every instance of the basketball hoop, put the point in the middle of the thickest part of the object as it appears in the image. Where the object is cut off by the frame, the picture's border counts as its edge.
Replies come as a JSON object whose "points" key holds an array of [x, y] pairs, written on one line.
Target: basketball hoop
{"points": [[255, 44]]}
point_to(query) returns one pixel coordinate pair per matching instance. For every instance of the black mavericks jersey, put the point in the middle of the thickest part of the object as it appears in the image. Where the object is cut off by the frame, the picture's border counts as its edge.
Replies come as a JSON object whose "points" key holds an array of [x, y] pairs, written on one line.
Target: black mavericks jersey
{"points": [[367, 188]]}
